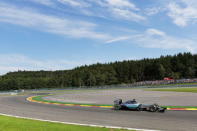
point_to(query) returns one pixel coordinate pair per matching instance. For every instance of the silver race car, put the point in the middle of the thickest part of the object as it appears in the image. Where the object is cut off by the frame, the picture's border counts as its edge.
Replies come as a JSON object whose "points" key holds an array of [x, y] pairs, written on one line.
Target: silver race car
{"points": [[134, 105]]}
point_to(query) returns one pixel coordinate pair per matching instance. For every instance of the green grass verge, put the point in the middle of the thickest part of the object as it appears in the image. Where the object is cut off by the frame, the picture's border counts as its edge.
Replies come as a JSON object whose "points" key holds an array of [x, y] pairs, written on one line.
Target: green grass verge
{"points": [[40, 98], [193, 90], [19, 124], [177, 84]]}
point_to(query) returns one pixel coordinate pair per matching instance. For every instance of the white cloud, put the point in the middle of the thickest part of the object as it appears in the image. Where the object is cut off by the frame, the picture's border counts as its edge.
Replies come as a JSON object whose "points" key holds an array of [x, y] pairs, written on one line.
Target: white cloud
{"points": [[127, 14], [153, 38], [153, 10], [152, 32], [115, 3], [122, 38], [184, 12], [124, 9], [15, 62], [47, 23], [118, 9], [122, 4], [192, 3], [43, 2], [75, 3]]}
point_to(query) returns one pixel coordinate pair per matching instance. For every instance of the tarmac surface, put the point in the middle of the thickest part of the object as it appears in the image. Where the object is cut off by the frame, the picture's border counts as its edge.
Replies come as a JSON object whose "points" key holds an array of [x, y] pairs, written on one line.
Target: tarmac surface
{"points": [[171, 120], [143, 96]]}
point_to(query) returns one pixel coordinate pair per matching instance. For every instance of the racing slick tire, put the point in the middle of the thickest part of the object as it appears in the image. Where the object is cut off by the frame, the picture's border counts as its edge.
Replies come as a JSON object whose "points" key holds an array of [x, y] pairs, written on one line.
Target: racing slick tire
{"points": [[152, 108], [117, 107]]}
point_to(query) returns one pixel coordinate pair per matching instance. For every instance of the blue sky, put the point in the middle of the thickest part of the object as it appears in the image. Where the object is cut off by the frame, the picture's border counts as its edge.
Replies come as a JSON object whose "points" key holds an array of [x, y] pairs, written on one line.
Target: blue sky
{"points": [[63, 34]]}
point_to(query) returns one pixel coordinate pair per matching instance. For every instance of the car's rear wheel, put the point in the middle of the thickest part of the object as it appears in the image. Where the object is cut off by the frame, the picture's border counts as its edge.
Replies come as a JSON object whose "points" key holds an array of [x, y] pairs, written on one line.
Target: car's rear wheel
{"points": [[117, 107]]}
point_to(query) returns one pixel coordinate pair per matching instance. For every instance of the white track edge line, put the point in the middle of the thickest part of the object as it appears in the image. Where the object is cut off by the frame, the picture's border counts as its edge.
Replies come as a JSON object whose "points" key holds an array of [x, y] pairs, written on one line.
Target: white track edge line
{"points": [[79, 124]]}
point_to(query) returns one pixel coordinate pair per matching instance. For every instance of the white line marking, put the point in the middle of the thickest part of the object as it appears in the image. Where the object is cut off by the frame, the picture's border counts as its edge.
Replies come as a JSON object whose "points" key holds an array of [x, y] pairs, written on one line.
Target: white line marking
{"points": [[79, 124]]}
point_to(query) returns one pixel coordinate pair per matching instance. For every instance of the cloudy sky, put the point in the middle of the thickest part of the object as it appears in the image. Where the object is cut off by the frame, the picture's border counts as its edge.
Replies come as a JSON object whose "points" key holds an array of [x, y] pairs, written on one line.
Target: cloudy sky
{"points": [[63, 34]]}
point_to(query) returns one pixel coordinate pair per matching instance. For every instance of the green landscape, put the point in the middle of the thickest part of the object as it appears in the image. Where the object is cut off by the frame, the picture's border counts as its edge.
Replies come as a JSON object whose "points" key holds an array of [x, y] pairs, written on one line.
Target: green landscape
{"points": [[20, 124], [182, 65]]}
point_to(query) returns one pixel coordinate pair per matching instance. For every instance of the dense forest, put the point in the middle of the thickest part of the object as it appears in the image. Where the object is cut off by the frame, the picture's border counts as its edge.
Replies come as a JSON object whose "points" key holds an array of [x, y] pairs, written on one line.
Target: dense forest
{"points": [[182, 65]]}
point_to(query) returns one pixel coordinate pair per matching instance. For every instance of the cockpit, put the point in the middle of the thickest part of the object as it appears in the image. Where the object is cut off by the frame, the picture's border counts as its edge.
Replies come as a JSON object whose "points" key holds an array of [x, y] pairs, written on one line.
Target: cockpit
{"points": [[131, 102]]}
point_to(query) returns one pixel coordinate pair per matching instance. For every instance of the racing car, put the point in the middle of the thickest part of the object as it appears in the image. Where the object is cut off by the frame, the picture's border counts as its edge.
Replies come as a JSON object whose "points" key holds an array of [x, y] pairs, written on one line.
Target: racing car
{"points": [[134, 105]]}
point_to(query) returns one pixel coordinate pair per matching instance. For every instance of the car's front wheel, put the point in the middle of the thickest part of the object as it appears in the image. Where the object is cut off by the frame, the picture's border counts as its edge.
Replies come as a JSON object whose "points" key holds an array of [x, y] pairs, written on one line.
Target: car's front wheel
{"points": [[152, 108]]}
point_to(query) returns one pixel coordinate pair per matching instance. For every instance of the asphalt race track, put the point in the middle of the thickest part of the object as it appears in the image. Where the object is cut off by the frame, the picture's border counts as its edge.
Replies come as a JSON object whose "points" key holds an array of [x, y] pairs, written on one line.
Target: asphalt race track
{"points": [[171, 120]]}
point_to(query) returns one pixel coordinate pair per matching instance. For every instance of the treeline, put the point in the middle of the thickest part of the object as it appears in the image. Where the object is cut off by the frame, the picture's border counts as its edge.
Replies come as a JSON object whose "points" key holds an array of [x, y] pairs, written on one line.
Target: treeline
{"points": [[182, 65]]}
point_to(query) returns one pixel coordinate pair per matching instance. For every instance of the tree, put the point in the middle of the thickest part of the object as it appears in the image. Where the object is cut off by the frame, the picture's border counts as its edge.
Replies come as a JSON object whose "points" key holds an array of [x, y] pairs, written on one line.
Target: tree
{"points": [[161, 71], [182, 65]]}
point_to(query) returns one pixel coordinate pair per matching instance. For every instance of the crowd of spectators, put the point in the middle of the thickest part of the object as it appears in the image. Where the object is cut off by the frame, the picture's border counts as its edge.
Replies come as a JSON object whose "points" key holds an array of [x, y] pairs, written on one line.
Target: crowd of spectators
{"points": [[164, 82]]}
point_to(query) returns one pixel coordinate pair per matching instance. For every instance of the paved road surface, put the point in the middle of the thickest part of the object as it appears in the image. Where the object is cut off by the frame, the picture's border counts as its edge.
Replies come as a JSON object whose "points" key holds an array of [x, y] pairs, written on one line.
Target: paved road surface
{"points": [[141, 95], [171, 120]]}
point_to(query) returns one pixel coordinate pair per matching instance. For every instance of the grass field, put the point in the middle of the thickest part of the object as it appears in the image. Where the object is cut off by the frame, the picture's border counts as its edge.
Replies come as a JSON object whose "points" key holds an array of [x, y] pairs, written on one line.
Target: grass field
{"points": [[193, 90], [19, 124]]}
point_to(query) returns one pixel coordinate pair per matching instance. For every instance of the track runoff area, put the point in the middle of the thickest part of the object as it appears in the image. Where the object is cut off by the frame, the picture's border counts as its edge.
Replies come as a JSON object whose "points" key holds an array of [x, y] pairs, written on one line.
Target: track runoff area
{"points": [[39, 99]]}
